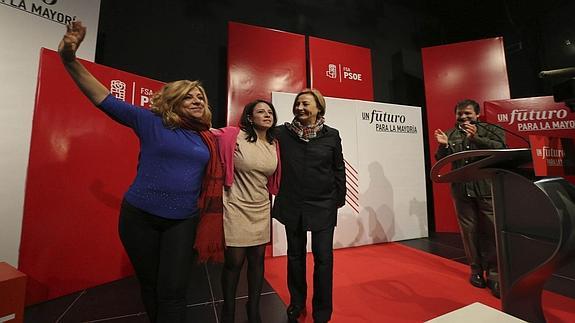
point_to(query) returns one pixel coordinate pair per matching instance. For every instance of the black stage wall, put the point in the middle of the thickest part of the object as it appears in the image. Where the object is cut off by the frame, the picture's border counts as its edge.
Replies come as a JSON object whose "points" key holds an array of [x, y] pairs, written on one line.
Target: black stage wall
{"points": [[169, 40]]}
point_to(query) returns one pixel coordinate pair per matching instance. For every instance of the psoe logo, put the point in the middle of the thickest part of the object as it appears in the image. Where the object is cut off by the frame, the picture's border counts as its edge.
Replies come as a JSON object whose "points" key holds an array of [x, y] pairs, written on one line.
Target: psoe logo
{"points": [[331, 71], [118, 89], [342, 73]]}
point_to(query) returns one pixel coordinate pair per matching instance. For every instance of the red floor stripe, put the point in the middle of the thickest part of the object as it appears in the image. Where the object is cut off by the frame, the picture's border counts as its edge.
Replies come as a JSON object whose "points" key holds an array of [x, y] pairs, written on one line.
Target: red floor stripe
{"points": [[394, 283]]}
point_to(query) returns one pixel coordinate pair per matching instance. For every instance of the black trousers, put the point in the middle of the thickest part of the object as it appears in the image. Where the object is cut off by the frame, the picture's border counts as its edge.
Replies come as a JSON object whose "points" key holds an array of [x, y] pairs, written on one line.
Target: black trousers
{"points": [[161, 252], [322, 249], [475, 218]]}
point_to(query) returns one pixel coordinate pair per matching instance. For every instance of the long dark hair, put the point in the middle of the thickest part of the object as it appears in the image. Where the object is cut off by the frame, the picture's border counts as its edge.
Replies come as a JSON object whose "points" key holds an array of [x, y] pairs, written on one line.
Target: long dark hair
{"points": [[248, 126]]}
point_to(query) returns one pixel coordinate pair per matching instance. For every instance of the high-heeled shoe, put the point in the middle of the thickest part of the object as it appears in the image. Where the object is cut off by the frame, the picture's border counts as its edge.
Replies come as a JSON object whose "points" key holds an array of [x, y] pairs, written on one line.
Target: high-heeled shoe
{"points": [[253, 317], [227, 314], [294, 312]]}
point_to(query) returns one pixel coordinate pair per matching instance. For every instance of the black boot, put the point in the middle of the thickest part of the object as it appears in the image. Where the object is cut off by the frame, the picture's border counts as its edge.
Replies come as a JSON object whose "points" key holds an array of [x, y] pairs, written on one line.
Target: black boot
{"points": [[494, 287], [477, 280]]}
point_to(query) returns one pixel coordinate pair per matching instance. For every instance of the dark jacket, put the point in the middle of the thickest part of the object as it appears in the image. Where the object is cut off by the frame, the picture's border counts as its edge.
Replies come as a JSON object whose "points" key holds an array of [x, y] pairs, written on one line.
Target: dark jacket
{"points": [[312, 181], [487, 137]]}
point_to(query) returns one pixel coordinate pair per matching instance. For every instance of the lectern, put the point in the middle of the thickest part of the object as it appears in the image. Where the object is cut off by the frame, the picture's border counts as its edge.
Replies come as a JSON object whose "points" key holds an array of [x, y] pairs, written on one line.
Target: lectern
{"points": [[534, 223]]}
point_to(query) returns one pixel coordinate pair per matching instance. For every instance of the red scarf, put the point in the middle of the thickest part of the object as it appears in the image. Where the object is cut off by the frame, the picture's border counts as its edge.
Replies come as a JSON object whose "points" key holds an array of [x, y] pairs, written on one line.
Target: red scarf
{"points": [[210, 233]]}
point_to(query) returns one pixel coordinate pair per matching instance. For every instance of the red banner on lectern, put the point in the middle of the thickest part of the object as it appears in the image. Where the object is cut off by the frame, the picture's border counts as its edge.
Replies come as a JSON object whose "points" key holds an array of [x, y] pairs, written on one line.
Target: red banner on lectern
{"points": [[552, 156], [81, 163], [537, 116], [531, 116]]}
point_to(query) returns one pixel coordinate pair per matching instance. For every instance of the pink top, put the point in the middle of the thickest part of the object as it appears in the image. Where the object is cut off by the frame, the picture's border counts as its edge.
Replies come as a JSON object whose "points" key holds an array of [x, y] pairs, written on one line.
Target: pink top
{"points": [[226, 138]]}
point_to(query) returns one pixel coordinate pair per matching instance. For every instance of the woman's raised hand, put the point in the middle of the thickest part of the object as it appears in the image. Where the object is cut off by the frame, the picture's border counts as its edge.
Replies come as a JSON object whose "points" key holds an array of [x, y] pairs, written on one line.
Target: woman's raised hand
{"points": [[90, 86], [75, 33]]}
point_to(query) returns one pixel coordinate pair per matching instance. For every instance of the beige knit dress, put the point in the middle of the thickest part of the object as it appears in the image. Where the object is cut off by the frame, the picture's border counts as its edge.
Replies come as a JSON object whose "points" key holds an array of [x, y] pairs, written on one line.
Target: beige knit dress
{"points": [[246, 203]]}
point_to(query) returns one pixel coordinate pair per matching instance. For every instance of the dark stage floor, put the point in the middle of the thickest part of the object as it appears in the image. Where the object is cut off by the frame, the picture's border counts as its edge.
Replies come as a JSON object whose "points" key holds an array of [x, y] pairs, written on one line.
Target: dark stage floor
{"points": [[119, 301]]}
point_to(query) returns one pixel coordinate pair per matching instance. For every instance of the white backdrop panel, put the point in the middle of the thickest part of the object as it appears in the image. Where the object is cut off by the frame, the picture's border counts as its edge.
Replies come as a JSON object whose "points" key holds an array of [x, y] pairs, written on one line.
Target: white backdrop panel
{"points": [[392, 172], [25, 27], [383, 148]]}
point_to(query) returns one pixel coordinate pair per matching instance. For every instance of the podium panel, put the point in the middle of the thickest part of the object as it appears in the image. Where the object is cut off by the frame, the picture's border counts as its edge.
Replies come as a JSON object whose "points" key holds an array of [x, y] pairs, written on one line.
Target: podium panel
{"points": [[534, 223]]}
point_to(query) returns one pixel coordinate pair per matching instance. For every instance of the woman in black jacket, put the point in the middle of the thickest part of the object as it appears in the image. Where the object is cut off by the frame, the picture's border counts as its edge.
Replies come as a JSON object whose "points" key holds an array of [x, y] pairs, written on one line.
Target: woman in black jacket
{"points": [[312, 189]]}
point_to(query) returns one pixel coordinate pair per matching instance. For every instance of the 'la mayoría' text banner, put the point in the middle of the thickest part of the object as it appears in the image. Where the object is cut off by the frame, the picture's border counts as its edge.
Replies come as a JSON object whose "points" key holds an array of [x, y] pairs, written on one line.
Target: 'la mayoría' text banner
{"points": [[25, 27], [383, 152], [539, 116]]}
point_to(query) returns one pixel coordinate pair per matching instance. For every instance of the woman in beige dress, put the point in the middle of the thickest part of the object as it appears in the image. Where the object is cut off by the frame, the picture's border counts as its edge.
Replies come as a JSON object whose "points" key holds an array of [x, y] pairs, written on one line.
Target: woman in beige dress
{"points": [[251, 163]]}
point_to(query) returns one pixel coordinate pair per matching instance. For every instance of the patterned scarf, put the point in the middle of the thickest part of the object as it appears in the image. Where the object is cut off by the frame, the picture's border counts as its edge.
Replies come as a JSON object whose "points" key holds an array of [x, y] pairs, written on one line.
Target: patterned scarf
{"points": [[305, 133], [210, 232]]}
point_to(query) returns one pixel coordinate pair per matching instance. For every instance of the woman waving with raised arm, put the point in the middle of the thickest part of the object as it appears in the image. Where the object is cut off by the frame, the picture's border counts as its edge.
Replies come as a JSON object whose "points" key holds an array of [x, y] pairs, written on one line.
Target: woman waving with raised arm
{"points": [[177, 187]]}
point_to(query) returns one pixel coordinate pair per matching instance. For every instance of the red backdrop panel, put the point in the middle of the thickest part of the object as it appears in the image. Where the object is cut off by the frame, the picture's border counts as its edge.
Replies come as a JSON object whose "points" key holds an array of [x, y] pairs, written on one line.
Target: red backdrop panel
{"points": [[81, 163], [340, 70], [260, 61], [475, 70]]}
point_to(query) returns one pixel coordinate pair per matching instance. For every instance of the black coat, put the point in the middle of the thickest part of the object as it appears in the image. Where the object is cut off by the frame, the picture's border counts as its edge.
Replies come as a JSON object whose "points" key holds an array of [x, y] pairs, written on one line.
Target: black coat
{"points": [[312, 184], [487, 137]]}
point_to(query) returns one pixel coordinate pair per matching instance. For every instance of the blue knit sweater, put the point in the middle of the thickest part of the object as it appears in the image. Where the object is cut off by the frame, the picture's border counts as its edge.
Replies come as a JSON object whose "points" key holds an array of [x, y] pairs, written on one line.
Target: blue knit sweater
{"points": [[171, 162]]}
